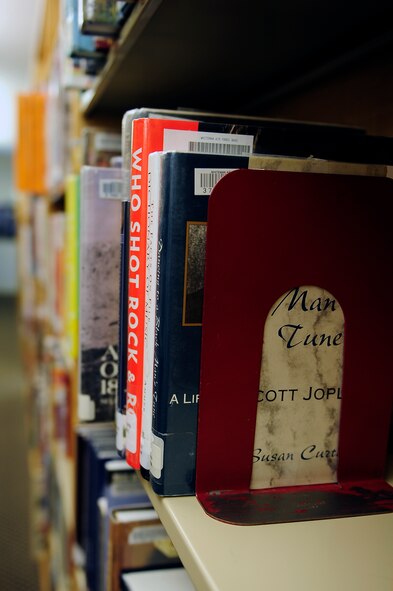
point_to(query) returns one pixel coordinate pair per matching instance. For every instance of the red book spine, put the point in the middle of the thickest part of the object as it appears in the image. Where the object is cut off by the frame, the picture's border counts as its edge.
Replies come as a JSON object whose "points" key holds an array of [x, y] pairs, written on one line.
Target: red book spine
{"points": [[147, 137], [136, 293]]}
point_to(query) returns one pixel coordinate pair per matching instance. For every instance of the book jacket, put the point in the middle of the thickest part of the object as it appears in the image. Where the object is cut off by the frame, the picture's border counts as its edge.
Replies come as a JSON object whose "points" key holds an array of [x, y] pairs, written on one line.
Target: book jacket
{"points": [[182, 216], [100, 220]]}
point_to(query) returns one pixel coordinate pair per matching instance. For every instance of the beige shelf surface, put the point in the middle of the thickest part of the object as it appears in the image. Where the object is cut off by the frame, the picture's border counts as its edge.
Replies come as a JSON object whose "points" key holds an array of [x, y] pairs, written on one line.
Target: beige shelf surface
{"points": [[341, 554]]}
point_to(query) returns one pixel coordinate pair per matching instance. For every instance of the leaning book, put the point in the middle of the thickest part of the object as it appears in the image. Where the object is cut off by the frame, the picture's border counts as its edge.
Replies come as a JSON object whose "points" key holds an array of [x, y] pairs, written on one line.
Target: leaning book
{"points": [[100, 221]]}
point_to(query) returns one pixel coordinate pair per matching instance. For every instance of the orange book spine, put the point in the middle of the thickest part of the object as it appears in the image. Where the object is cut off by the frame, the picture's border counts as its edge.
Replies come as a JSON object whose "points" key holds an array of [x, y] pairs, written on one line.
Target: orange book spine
{"points": [[20, 145], [147, 137]]}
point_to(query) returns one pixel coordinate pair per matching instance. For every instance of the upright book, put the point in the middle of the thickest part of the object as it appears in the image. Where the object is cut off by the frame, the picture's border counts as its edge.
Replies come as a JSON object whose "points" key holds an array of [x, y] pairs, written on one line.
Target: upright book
{"points": [[95, 447], [71, 201], [137, 539], [123, 324], [181, 183], [122, 489], [100, 219], [99, 17]]}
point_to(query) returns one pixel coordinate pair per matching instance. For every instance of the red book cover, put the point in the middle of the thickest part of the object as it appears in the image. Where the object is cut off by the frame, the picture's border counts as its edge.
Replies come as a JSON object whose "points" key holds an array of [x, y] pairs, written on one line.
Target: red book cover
{"points": [[147, 137], [295, 354]]}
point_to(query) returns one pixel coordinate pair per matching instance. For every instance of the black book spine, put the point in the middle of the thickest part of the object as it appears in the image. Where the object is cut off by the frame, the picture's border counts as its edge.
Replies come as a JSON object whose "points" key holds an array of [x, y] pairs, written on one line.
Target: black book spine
{"points": [[179, 297], [122, 377]]}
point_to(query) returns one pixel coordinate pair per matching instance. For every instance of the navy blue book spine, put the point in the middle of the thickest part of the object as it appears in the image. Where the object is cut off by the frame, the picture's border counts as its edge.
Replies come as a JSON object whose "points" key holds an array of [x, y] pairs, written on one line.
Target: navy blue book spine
{"points": [[122, 377], [100, 453], [179, 298]]}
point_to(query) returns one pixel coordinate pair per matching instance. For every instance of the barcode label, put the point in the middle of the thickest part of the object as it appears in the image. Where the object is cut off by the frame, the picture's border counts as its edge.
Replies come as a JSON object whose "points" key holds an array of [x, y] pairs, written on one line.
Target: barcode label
{"points": [[110, 189], [200, 142], [206, 178], [222, 149]]}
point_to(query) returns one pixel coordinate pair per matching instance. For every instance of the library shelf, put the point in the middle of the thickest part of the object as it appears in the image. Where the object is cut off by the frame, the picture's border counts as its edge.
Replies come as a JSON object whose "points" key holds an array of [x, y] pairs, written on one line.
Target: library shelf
{"points": [[340, 554], [232, 57]]}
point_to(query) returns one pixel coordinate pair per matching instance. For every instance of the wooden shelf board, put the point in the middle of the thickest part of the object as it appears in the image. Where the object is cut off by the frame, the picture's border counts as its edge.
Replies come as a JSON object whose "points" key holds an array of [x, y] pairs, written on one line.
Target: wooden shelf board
{"points": [[224, 56]]}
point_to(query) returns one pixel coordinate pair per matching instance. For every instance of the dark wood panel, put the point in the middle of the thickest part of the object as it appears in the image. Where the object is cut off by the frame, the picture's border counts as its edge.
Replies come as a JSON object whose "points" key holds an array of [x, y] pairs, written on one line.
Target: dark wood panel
{"points": [[227, 56]]}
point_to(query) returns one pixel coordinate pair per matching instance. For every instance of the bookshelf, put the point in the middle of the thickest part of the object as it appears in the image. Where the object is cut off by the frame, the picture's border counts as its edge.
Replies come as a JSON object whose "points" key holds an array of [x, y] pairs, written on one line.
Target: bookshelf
{"points": [[225, 57], [349, 553], [283, 60]]}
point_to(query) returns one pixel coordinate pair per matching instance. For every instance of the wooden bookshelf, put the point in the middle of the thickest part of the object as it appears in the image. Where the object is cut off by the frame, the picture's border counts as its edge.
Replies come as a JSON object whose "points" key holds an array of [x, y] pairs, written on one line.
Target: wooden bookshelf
{"points": [[48, 40], [234, 57]]}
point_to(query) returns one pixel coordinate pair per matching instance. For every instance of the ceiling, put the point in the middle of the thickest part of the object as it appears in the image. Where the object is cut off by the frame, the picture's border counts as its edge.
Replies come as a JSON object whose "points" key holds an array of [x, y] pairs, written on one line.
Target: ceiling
{"points": [[20, 23]]}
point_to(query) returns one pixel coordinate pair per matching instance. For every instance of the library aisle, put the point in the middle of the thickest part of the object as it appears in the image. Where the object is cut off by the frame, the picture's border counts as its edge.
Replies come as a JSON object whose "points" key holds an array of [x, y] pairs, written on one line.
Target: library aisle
{"points": [[17, 568]]}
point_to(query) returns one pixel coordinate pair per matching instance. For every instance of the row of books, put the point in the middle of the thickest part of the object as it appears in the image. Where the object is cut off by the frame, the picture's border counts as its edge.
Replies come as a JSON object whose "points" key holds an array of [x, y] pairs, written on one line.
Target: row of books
{"points": [[149, 368], [117, 528]]}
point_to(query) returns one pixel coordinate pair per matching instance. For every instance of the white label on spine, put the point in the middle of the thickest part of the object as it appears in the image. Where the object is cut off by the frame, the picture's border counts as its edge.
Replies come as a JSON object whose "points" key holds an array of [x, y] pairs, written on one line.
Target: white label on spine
{"points": [[206, 178], [120, 435], [156, 456], [202, 142], [147, 534], [86, 408], [131, 430]]}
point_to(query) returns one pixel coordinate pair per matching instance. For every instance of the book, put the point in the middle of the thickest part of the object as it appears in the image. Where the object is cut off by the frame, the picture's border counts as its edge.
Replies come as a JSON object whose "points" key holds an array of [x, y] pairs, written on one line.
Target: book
{"points": [[32, 134], [71, 205], [77, 44], [166, 579], [56, 287], [144, 141], [103, 18], [122, 488], [308, 394], [7, 221], [97, 17], [178, 182], [123, 326], [137, 539], [182, 182], [85, 433], [100, 219], [98, 449]]}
